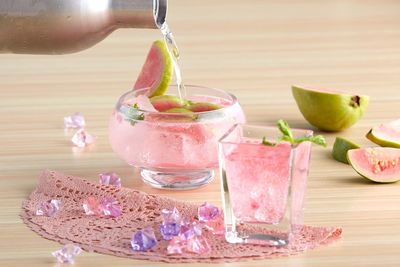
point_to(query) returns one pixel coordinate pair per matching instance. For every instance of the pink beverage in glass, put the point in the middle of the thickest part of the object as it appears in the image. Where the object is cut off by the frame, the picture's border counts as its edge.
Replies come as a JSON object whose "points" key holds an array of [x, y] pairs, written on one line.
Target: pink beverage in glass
{"points": [[264, 173], [263, 185], [173, 150]]}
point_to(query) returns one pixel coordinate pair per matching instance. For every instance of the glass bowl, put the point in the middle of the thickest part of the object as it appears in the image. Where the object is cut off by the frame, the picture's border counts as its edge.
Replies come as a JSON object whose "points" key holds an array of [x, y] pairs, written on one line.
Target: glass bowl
{"points": [[173, 150]]}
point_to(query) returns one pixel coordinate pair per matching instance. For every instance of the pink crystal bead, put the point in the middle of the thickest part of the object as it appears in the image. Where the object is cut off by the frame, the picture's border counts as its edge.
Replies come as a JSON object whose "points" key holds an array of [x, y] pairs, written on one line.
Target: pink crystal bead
{"points": [[190, 229], [110, 178], [216, 226], [176, 246], [75, 120], [212, 218], [92, 206], [48, 208], [198, 245], [67, 253], [110, 207], [208, 212], [81, 138], [99, 207]]}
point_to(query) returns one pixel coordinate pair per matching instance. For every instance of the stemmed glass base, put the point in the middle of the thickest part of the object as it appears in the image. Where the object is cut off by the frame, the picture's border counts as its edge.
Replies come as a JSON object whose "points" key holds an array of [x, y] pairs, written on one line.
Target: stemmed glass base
{"points": [[176, 179]]}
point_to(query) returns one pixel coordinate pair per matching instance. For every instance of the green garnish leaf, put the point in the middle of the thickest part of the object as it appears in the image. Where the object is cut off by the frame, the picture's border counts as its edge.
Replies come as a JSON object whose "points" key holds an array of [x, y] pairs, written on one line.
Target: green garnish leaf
{"points": [[132, 113], [285, 130], [318, 140], [267, 142], [287, 135]]}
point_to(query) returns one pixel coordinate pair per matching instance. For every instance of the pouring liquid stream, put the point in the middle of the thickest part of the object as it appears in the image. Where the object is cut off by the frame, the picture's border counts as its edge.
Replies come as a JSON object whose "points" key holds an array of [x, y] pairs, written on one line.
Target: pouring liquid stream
{"points": [[174, 54]]}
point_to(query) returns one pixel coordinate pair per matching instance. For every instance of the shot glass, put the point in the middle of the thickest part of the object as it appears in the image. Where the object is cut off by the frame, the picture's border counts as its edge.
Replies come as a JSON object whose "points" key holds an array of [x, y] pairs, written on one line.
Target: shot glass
{"points": [[262, 185]]}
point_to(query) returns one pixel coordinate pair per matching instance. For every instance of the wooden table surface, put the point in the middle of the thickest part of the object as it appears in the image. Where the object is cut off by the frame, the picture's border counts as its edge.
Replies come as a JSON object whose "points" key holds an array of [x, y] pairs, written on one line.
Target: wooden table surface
{"points": [[256, 50]]}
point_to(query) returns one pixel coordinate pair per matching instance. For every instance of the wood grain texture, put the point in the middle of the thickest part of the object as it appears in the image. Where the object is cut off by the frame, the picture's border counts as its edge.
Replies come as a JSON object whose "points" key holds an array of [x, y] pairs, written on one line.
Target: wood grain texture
{"points": [[256, 50]]}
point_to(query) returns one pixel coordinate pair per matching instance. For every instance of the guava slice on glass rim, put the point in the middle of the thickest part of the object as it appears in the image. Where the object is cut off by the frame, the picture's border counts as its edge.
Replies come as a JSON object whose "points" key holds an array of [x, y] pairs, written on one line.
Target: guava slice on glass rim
{"points": [[157, 70], [329, 110], [378, 164], [386, 134], [163, 103]]}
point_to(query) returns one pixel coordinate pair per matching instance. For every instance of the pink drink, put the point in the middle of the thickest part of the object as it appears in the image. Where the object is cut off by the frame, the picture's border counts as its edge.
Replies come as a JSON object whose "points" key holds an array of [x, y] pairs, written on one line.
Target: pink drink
{"points": [[263, 173], [263, 184], [174, 143]]}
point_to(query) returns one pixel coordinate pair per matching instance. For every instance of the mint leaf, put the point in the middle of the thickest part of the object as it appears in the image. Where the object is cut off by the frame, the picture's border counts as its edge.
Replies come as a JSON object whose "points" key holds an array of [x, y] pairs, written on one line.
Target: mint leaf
{"points": [[318, 140], [132, 114], [267, 142], [287, 135], [285, 130]]}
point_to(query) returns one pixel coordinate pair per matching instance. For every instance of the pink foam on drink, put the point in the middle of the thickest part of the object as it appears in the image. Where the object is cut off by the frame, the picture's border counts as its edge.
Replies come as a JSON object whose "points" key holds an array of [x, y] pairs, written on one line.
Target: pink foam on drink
{"points": [[258, 181]]}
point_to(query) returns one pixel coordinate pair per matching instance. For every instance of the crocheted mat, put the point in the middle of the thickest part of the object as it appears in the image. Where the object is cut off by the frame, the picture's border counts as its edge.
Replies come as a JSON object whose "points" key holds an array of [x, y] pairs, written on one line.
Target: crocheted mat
{"points": [[112, 236]]}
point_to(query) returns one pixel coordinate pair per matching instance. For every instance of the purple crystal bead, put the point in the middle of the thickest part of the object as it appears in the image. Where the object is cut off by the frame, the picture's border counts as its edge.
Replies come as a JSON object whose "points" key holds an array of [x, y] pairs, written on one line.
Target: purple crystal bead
{"points": [[110, 178], [110, 207], [48, 208], [143, 240], [171, 216], [208, 212], [171, 223], [67, 253], [75, 120], [169, 230], [81, 138]]}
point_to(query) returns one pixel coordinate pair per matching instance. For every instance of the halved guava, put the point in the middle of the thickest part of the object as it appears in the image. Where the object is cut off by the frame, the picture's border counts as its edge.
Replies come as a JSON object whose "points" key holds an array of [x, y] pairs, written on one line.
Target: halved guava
{"points": [[387, 134], [329, 110], [378, 164]]}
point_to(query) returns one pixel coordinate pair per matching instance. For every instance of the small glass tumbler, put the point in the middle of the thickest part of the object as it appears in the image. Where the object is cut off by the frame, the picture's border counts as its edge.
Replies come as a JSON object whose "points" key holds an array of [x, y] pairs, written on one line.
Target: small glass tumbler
{"points": [[262, 185]]}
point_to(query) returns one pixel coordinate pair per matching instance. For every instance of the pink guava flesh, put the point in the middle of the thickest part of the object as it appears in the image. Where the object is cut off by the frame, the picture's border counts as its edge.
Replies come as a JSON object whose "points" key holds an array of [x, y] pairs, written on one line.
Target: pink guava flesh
{"points": [[379, 164], [152, 70]]}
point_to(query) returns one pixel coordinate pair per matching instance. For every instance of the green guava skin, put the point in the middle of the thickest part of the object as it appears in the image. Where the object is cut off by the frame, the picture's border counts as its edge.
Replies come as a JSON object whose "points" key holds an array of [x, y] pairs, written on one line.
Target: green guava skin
{"points": [[178, 110], [203, 106], [328, 110], [379, 141], [340, 148]]}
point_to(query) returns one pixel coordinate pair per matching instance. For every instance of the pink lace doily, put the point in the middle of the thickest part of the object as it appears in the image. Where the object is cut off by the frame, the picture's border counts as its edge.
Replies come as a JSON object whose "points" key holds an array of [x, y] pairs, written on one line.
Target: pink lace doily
{"points": [[112, 236]]}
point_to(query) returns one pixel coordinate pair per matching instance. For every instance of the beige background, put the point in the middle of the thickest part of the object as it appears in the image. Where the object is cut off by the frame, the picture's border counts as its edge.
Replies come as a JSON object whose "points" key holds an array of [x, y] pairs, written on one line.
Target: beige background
{"points": [[254, 49]]}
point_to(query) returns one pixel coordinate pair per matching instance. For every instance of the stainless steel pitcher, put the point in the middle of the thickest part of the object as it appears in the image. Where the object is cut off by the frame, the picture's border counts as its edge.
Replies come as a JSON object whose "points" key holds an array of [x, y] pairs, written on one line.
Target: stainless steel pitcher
{"points": [[67, 26]]}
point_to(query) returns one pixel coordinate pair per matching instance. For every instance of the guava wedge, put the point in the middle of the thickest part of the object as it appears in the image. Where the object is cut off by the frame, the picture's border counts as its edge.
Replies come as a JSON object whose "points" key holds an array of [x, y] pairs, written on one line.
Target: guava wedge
{"points": [[156, 73], [340, 148], [387, 134], [144, 103], [166, 102], [203, 106], [378, 164], [329, 110], [178, 110]]}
